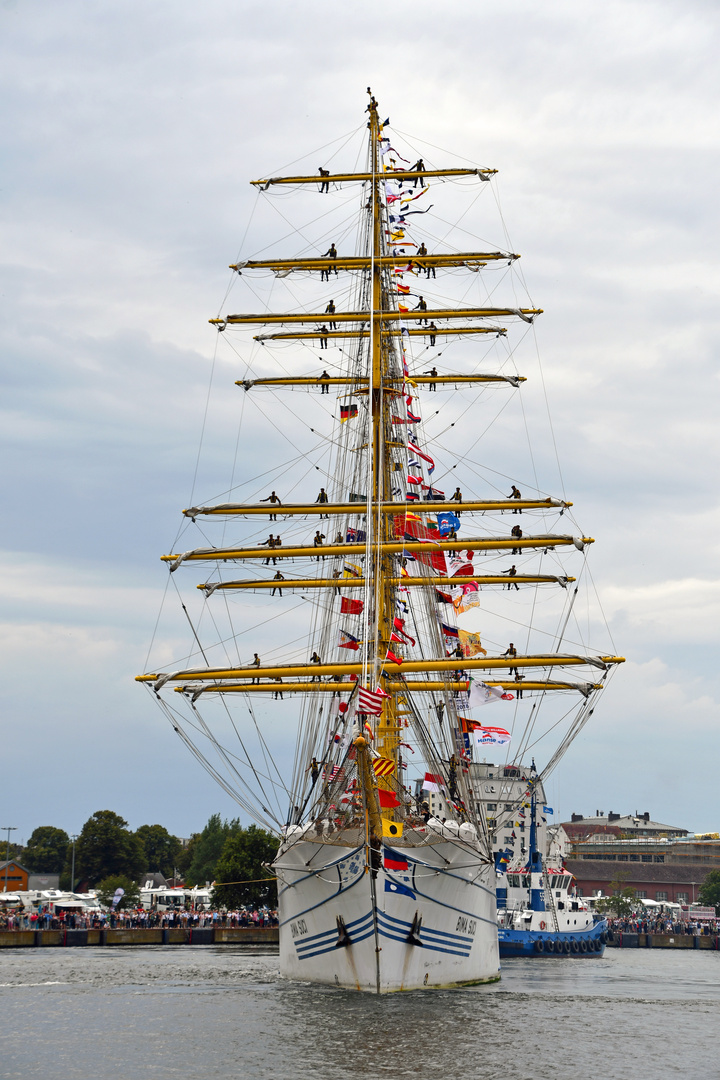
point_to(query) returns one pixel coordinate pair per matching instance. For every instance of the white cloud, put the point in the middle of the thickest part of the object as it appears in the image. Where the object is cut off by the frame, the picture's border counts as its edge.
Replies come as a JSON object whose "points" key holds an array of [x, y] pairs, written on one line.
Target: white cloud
{"points": [[135, 131]]}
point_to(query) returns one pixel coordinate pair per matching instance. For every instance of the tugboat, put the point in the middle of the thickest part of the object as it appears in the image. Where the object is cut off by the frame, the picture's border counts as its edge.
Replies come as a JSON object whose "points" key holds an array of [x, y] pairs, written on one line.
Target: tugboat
{"points": [[538, 912]]}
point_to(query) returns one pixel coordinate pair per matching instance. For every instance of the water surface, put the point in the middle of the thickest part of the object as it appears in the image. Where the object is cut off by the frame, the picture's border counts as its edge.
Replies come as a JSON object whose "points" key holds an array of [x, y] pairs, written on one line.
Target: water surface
{"points": [[223, 1011]]}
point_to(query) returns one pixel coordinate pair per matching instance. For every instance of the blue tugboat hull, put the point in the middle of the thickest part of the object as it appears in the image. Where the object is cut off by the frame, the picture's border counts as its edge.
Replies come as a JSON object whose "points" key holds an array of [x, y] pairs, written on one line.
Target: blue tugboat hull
{"points": [[586, 943]]}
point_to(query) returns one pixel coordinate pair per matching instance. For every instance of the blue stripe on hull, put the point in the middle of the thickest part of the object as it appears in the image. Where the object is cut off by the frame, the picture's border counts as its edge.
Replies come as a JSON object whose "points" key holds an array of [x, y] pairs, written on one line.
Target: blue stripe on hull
{"points": [[389, 926], [327, 941]]}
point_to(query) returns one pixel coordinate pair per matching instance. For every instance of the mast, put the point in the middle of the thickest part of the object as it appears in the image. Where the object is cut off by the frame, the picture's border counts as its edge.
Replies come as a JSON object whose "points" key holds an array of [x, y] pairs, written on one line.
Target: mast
{"points": [[381, 326], [380, 590], [535, 859]]}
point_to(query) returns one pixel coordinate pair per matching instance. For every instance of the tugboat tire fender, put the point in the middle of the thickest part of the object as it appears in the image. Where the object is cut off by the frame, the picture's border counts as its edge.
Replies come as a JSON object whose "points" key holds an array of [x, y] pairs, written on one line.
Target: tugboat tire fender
{"points": [[539, 946]]}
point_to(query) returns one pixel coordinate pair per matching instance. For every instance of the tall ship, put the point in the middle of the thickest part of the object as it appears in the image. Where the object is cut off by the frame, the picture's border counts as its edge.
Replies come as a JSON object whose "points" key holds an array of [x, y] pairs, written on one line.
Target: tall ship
{"points": [[338, 691]]}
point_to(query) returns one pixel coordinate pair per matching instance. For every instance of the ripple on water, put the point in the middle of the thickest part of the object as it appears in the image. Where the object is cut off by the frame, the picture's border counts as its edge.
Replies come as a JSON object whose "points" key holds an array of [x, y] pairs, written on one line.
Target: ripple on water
{"points": [[163, 1012]]}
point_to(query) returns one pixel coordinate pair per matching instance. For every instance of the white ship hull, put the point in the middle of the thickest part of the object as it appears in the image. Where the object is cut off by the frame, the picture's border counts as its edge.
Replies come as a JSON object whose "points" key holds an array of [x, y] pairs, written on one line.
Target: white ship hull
{"points": [[430, 925]]}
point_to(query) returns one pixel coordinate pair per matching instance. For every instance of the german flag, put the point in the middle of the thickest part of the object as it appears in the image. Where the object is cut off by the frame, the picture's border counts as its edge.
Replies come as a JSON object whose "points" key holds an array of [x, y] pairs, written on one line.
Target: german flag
{"points": [[347, 412]]}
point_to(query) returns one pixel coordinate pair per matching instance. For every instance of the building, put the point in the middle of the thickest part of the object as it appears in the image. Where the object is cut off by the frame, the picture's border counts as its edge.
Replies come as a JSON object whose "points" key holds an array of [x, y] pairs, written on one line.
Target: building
{"points": [[13, 877], [656, 868], [580, 828], [501, 791]]}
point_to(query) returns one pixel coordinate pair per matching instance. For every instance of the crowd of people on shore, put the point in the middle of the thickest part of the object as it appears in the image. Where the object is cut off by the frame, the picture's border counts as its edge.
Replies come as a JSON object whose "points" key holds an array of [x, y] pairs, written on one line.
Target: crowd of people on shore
{"points": [[73, 919], [662, 924]]}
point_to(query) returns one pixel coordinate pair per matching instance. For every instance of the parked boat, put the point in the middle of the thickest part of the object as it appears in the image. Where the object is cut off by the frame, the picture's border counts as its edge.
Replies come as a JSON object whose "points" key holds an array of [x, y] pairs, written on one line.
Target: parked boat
{"points": [[376, 893]]}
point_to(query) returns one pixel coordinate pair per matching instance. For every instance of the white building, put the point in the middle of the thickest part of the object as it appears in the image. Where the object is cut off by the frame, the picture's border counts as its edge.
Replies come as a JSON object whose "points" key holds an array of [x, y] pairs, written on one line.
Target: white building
{"points": [[502, 792]]}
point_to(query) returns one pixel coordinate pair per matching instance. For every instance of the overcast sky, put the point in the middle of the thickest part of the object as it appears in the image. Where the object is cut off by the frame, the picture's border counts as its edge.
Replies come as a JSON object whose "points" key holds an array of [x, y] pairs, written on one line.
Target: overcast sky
{"points": [[129, 133]]}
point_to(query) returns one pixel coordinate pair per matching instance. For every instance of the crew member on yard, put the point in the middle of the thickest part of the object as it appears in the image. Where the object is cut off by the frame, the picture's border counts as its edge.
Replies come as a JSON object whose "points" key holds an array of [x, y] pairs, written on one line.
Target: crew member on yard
{"points": [[510, 654], [278, 577], [272, 498]]}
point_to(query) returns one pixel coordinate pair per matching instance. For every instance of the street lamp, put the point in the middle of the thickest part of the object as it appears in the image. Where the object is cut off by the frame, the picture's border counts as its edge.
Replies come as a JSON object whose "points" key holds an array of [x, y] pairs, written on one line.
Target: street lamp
{"points": [[8, 829], [72, 875]]}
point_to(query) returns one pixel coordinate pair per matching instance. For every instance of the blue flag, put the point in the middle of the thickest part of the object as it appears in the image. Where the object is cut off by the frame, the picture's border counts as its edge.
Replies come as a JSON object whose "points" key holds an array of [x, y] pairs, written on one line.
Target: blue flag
{"points": [[447, 521], [396, 887], [548, 810]]}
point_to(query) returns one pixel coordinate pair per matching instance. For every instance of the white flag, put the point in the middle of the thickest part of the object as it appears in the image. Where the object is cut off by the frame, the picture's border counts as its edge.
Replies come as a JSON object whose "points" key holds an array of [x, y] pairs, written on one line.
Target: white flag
{"points": [[487, 736], [482, 694]]}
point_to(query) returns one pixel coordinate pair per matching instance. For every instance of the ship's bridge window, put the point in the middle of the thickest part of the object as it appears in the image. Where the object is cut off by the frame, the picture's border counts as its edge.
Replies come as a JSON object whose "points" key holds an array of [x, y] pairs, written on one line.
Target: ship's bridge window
{"points": [[526, 881]]}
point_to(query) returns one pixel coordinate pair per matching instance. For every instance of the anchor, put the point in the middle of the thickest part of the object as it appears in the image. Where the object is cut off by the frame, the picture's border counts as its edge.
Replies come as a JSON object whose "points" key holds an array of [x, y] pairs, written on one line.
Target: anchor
{"points": [[413, 937], [344, 938]]}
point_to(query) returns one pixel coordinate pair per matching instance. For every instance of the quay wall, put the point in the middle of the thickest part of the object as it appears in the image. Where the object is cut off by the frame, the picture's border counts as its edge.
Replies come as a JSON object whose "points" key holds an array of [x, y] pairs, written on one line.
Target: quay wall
{"points": [[207, 935], [236, 935], [622, 940]]}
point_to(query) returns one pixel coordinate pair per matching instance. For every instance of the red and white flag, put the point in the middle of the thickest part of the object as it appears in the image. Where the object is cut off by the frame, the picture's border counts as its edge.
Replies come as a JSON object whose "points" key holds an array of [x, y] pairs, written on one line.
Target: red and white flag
{"points": [[433, 782], [371, 701]]}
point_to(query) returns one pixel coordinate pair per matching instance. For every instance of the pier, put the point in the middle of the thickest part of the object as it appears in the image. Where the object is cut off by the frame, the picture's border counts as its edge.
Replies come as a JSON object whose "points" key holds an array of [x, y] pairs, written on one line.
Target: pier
{"points": [[620, 939], [171, 935]]}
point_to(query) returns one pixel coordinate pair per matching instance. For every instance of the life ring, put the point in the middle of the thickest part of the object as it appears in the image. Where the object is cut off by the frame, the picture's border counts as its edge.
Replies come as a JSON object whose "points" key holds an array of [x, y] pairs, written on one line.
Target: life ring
{"points": [[542, 925]]}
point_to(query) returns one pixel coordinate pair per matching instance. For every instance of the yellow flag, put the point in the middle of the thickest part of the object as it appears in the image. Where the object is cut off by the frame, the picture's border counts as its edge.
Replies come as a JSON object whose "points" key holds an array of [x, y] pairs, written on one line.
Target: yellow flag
{"points": [[392, 828], [470, 644]]}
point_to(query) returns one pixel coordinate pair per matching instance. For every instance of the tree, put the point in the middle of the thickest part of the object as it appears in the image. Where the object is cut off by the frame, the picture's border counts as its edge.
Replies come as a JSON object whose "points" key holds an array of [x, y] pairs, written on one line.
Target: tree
{"points": [[620, 904], [107, 887], [46, 850], [106, 847], [709, 893], [207, 848], [12, 852], [241, 860], [186, 856], [160, 847], [622, 900]]}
